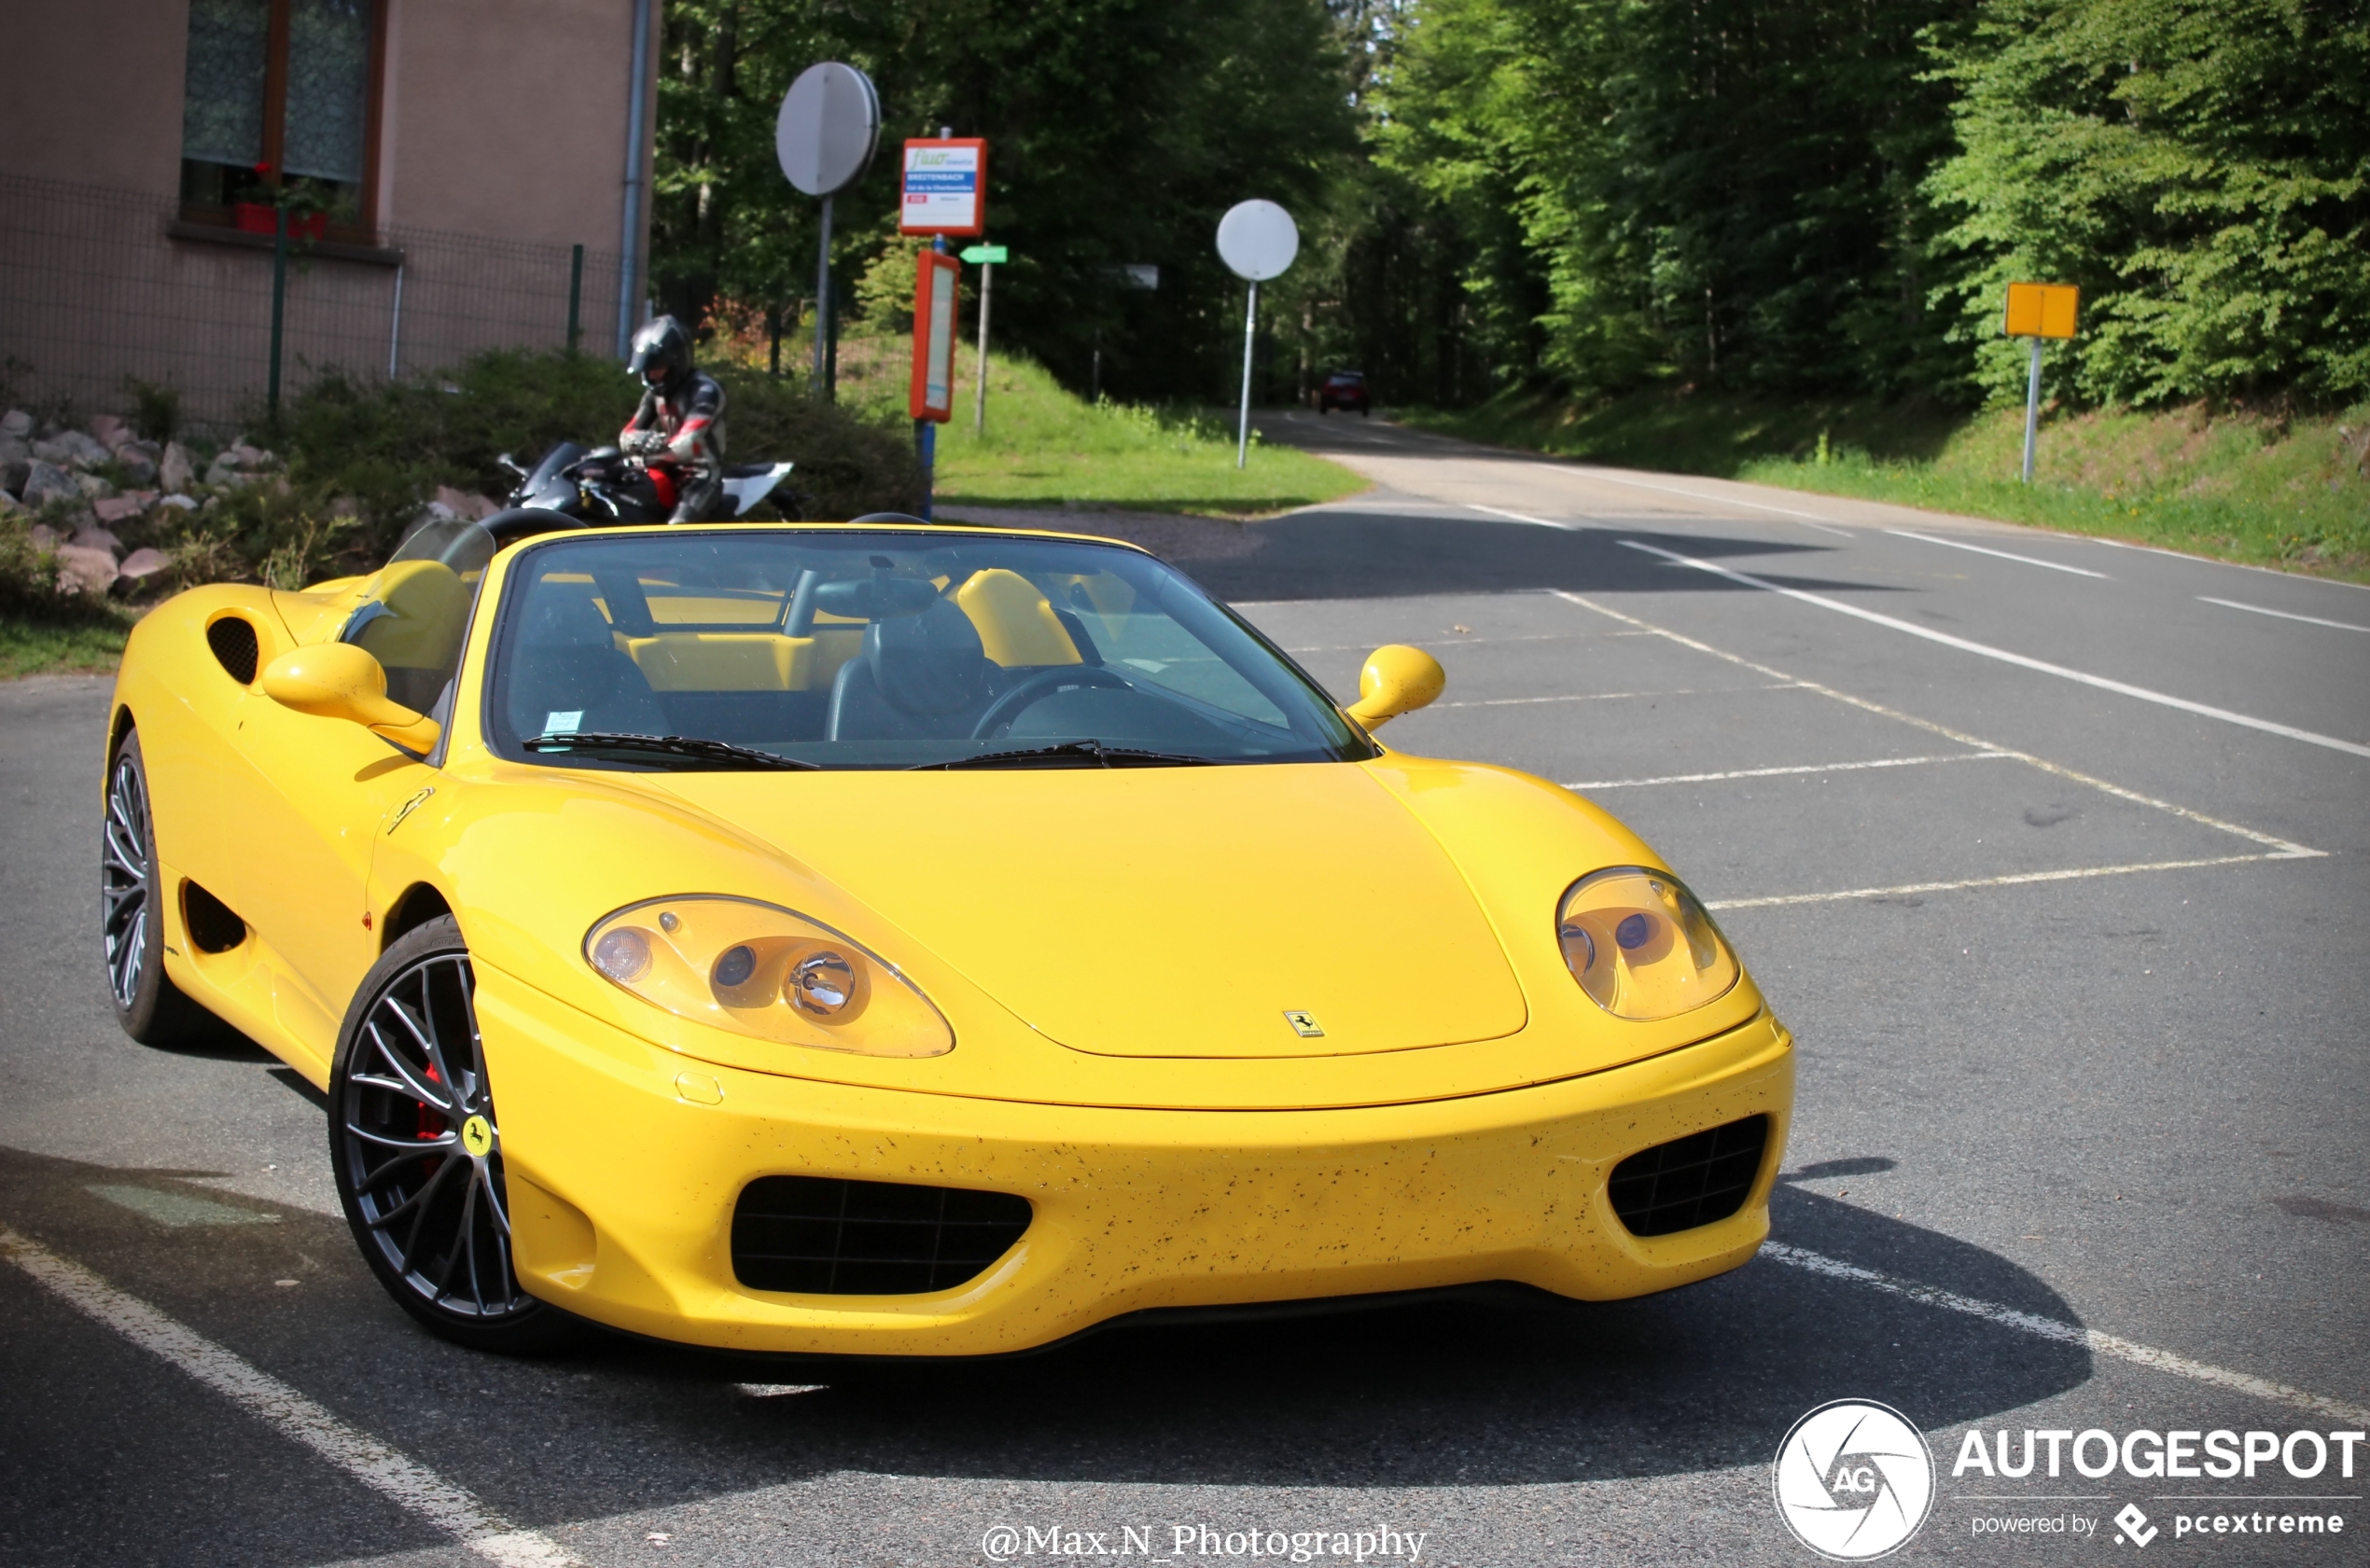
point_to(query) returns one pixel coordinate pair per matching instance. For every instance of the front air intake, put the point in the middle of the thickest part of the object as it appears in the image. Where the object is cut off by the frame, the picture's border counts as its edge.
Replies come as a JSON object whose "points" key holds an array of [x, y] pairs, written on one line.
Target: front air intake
{"points": [[1689, 1181], [232, 640], [825, 1236]]}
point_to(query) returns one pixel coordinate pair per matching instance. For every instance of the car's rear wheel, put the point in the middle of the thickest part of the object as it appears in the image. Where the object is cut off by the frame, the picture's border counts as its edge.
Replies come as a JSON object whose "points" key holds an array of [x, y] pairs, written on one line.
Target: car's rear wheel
{"points": [[417, 1152], [149, 1006]]}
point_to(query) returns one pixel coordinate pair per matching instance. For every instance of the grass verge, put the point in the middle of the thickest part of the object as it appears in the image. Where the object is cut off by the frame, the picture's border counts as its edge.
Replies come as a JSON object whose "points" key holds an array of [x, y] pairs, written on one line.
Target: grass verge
{"points": [[2285, 490], [33, 647], [1047, 447]]}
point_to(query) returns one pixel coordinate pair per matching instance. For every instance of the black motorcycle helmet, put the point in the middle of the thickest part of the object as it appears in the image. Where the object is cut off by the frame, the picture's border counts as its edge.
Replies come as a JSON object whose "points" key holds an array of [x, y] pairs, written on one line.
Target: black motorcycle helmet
{"points": [[662, 353]]}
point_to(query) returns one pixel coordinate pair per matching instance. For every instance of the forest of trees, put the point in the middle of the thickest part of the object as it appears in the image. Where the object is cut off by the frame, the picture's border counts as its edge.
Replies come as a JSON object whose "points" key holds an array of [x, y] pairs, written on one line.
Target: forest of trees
{"points": [[1587, 196]]}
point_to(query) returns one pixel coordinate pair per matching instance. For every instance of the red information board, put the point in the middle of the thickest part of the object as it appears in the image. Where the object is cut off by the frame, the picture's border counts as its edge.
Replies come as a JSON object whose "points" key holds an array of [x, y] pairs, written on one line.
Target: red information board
{"points": [[946, 186], [936, 283]]}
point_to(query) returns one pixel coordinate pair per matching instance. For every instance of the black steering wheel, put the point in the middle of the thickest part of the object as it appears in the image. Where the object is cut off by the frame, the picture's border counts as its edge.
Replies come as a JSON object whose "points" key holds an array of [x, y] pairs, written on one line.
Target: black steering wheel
{"points": [[1007, 708]]}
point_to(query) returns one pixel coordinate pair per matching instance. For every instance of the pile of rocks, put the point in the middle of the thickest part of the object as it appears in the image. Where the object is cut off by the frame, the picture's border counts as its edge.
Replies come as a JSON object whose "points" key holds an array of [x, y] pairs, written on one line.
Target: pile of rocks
{"points": [[82, 484]]}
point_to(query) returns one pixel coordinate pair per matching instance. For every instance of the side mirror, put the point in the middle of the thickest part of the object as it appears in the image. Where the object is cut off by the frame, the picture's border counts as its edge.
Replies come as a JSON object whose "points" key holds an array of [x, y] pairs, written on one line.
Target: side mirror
{"points": [[1397, 680], [338, 680]]}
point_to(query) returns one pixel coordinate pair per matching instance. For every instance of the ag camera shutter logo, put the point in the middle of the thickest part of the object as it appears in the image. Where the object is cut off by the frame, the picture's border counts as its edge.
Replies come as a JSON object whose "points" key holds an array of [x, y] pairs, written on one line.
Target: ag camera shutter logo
{"points": [[1854, 1480]]}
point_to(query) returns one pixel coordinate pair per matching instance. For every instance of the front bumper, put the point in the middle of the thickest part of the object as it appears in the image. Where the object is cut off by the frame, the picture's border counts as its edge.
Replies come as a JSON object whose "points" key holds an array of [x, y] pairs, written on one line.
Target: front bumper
{"points": [[622, 1189]]}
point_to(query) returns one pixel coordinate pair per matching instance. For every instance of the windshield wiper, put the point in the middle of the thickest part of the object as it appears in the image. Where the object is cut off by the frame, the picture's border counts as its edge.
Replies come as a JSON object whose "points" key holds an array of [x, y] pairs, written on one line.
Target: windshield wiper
{"points": [[690, 749], [1090, 753]]}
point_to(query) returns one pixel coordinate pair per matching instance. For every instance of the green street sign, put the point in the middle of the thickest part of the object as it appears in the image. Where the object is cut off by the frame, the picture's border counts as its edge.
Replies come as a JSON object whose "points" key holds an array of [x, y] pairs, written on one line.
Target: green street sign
{"points": [[985, 254]]}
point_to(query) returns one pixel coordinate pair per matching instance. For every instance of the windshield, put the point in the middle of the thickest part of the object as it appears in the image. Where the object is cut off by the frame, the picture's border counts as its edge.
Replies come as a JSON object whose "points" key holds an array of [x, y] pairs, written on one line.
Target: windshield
{"points": [[884, 650]]}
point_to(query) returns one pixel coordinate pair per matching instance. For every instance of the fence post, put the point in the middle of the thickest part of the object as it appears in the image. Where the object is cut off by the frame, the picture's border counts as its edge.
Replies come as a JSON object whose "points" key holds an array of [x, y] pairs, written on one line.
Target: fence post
{"points": [[279, 298], [576, 292]]}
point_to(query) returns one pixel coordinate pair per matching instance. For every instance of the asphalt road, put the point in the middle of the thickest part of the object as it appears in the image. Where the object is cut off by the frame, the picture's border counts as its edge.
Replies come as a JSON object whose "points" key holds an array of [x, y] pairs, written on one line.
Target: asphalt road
{"points": [[2050, 853]]}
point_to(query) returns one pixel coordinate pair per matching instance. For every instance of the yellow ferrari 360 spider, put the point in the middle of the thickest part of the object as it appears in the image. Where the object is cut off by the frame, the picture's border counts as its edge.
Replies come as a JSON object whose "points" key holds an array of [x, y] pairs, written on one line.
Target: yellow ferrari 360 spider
{"points": [[881, 938]]}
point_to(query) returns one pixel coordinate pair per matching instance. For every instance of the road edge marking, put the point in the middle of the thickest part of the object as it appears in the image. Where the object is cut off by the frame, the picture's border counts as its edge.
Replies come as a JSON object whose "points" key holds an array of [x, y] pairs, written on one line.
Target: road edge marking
{"points": [[1813, 519], [1964, 645], [379, 1465], [2288, 849], [2068, 1333]]}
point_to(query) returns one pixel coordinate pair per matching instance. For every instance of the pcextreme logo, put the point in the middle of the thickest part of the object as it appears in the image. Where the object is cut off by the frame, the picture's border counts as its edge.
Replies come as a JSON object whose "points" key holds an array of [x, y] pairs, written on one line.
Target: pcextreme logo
{"points": [[1854, 1480]]}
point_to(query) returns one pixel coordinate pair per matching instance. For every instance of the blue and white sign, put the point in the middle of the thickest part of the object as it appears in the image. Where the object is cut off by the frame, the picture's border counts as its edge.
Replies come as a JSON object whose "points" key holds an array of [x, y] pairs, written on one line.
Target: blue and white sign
{"points": [[946, 186]]}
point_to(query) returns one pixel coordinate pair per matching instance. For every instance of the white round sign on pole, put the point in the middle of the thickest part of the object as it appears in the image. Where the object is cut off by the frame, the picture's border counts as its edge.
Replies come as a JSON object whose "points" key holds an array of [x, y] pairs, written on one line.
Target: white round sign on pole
{"points": [[1257, 240], [828, 127]]}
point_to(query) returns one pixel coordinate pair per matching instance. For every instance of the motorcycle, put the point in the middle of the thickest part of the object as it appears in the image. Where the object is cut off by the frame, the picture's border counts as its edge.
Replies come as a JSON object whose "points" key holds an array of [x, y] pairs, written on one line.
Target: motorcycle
{"points": [[602, 488]]}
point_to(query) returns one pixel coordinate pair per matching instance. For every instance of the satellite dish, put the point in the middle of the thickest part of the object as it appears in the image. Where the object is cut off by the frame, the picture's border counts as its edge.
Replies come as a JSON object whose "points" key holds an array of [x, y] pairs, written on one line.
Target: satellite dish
{"points": [[830, 125], [1257, 240]]}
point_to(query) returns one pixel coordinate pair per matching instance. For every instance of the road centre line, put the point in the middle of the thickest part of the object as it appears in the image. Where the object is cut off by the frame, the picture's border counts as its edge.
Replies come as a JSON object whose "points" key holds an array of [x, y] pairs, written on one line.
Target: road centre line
{"points": [[1605, 696], [2286, 850], [1778, 773], [2068, 1334], [1987, 651], [2012, 879], [378, 1466], [1980, 550], [2283, 614], [1696, 495]]}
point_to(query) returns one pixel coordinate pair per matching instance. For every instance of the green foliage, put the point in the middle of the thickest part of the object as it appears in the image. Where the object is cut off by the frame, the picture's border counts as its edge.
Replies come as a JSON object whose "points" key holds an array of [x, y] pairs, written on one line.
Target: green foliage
{"points": [[2197, 166]]}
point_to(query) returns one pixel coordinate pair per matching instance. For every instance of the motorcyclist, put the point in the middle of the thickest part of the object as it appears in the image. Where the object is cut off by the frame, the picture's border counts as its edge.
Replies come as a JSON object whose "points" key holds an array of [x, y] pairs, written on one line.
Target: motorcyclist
{"points": [[678, 430]]}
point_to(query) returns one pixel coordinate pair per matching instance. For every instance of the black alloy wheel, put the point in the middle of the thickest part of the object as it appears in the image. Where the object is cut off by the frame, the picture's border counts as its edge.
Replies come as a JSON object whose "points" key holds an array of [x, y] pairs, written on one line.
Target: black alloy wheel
{"points": [[417, 1152], [149, 1006]]}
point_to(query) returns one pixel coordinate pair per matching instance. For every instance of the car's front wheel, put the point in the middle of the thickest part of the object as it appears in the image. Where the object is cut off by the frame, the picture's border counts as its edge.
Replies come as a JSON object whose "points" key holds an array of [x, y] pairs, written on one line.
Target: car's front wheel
{"points": [[417, 1152], [149, 1006]]}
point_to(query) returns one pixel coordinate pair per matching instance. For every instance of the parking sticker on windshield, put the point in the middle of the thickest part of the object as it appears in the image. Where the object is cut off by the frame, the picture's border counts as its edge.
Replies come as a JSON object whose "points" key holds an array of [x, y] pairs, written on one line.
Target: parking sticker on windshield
{"points": [[562, 724]]}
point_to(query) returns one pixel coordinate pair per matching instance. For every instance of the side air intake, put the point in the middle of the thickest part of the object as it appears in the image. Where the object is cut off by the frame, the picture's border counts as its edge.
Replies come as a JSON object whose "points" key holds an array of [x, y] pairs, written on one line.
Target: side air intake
{"points": [[233, 642]]}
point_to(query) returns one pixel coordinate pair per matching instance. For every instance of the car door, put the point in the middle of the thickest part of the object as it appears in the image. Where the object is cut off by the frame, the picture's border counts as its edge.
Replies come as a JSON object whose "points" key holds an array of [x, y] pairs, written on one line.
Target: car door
{"points": [[313, 793]]}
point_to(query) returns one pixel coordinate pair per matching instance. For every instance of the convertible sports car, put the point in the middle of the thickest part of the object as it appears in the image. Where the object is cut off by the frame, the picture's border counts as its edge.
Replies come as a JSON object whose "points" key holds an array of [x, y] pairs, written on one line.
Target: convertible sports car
{"points": [[880, 938]]}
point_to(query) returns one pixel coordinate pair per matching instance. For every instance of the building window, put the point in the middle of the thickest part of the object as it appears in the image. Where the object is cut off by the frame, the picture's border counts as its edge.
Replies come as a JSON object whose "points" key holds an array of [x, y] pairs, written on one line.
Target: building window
{"points": [[280, 110]]}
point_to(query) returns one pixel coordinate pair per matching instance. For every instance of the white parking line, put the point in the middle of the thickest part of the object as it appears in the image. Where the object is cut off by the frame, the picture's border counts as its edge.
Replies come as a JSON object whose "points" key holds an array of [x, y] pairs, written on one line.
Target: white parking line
{"points": [[2283, 614], [1606, 696], [376, 1465], [2288, 850], [1698, 495], [2011, 879], [1779, 772], [1987, 651], [2068, 1334], [1979, 549]]}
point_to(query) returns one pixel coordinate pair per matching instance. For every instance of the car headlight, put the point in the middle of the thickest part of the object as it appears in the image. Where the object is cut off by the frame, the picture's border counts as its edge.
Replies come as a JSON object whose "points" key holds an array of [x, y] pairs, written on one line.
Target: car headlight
{"points": [[755, 969], [1640, 946]]}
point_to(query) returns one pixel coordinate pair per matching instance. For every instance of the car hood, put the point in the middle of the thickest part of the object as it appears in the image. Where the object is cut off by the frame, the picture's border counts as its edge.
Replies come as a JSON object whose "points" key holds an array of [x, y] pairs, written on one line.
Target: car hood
{"points": [[1159, 912]]}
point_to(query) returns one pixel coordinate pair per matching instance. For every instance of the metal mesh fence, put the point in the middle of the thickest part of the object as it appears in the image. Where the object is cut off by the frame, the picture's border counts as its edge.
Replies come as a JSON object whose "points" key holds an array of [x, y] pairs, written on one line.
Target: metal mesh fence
{"points": [[99, 284]]}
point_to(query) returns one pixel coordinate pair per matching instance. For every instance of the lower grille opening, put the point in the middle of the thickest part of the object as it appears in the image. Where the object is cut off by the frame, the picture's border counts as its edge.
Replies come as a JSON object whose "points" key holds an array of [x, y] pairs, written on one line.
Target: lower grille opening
{"points": [[1689, 1181], [214, 925], [826, 1236]]}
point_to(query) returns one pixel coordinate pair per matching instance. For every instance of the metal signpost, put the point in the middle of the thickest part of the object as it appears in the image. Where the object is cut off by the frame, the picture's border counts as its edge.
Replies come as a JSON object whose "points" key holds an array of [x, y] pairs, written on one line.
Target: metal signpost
{"points": [[1257, 241], [930, 400], [985, 257], [2040, 312], [825, 137]]}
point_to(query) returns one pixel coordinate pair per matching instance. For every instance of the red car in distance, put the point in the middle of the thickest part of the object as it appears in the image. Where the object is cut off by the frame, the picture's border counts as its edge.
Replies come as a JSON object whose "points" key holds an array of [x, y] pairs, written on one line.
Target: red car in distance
{"points": [[1343, 389]]}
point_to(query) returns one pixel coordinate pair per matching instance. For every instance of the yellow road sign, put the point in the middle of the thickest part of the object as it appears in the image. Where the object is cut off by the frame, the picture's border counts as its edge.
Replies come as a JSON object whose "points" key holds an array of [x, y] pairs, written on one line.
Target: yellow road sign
{"points": [[2042, 309]]}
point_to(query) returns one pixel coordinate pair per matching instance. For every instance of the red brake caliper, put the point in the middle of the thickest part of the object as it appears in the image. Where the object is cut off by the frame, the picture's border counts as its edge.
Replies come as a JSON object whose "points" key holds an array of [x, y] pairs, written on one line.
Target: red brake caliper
{"points": [[431, 1120]]}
